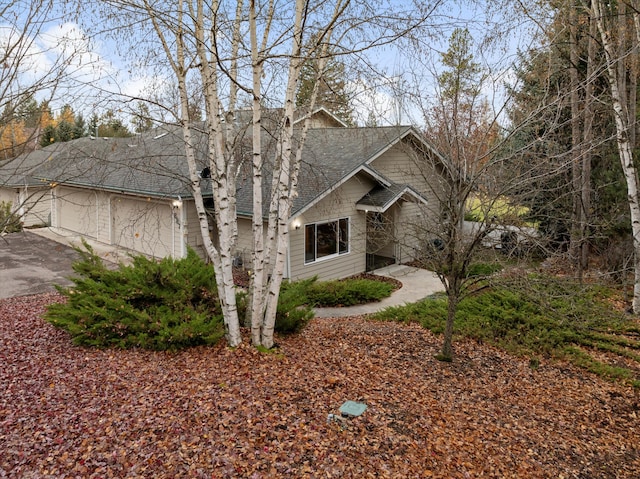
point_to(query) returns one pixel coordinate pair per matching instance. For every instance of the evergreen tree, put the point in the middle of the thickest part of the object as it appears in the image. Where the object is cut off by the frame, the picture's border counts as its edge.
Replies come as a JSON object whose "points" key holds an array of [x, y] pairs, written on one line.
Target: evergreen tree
{"points": [[94, 122], [29, 112], [112, 126], [141, 120], [332, 92], [544, 84], [80, 127], [64, 131], [460, 125], [49, 135], [66, 127]]}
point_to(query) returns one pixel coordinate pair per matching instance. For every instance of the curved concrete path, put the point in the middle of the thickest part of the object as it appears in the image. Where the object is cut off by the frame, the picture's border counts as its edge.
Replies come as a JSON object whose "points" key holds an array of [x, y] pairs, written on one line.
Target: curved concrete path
{"points": [[416, 285]]}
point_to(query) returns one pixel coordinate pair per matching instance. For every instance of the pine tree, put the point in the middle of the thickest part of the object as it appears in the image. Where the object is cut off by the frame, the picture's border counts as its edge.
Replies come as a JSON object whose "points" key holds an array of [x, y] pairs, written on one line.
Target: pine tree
{"points": [[141, 120], [332, 91], [80, 127]]}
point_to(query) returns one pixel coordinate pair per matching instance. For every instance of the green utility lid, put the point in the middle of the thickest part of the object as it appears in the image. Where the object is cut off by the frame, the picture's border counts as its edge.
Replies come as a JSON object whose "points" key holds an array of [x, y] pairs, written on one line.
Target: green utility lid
{"points": [[352, 408]]}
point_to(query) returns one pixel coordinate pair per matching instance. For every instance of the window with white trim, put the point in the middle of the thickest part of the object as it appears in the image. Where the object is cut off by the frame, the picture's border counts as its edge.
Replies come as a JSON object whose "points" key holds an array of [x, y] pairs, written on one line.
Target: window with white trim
{"points": [[325, 240]]}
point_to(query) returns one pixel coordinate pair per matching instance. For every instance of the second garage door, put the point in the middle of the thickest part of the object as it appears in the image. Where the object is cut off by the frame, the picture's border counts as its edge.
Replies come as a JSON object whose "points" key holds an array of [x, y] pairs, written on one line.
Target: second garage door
{"points": [[143, 226], [78, 211]]}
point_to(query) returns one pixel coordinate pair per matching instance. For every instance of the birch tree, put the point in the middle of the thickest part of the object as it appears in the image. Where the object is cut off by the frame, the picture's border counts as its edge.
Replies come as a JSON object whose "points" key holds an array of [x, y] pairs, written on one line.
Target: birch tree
{"points": [[617, 46], [251, 52]]}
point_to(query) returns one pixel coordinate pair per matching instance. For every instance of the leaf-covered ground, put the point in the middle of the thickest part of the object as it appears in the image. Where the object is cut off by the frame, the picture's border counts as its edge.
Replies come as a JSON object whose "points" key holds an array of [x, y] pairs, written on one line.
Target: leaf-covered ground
{"points": [[66, 411]]}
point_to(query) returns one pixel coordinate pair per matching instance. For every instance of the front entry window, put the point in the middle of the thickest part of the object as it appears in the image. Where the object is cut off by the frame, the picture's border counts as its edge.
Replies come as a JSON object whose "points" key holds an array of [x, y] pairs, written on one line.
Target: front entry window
{"points": [[324, 240]]}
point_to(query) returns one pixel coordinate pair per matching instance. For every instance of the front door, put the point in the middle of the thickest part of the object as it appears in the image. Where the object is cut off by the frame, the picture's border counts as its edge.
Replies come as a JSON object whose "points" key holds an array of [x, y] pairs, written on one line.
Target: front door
{"points": [[381, 241]]}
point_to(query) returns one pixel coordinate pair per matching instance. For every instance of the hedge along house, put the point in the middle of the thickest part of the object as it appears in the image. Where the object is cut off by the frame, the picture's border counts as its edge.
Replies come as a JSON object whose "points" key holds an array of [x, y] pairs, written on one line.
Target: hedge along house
{"points": [[360, 192]]}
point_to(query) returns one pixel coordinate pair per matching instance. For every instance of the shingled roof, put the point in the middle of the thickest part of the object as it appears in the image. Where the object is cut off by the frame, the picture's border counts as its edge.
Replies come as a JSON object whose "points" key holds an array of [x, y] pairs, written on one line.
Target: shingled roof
{"points": [[18, 171], [334, 155], [154, 164]]}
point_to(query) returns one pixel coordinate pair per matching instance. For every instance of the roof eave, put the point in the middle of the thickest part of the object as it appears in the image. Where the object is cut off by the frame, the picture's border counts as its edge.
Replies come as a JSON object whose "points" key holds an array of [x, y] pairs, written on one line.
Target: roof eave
{"points": [[362, 168], [381, 209]]}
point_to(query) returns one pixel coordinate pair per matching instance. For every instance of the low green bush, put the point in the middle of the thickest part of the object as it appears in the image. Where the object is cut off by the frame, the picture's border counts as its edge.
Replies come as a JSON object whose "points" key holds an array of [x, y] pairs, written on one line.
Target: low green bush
{"points": [[347, 292], [173, 304], [170, 304], [9, 222], [483, 269], [294, 310], [545, 318]]}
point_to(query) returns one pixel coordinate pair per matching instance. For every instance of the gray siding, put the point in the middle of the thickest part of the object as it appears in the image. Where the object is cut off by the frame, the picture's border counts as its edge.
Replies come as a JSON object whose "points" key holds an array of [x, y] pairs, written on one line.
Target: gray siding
{"points": [[193, 236], [401, 166], [340, 204], [244, 247]]}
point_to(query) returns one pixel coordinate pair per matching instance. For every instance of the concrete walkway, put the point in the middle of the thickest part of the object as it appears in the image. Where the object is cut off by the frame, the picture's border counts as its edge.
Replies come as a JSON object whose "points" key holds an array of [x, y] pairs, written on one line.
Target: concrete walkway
{"points": [[417, 284]]}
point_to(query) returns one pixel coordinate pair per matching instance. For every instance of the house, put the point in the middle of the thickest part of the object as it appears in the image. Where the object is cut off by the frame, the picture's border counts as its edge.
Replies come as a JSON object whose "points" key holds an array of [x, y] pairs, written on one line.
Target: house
{"points": [[28, 196], [361, 191]]}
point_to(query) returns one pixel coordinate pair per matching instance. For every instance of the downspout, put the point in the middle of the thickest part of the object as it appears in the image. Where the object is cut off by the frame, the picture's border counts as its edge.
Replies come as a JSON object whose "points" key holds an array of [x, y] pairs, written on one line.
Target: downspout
{"points": [[287, 266], [183, 232], [177, 213]]}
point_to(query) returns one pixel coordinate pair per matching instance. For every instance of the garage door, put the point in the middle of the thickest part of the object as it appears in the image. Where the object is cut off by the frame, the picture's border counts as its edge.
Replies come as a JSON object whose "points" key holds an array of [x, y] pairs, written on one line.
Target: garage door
{"points": [[142, 226], [77, 210], [37, 207]]}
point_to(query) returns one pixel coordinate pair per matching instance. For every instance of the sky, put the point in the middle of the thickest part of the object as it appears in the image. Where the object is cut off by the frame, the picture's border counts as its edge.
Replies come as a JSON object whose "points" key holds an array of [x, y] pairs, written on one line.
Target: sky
{"points": [[98, 79]]}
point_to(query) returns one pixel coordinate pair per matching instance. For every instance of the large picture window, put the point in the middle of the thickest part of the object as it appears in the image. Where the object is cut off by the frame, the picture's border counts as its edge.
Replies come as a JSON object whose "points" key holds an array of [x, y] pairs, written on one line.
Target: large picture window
{"points": [[323, 240]]}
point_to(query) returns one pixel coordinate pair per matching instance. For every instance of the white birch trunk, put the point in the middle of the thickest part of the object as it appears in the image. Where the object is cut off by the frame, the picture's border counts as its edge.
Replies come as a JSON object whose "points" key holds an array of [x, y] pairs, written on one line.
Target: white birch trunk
{"points": [[625, 148], [286, 182], [222, 184], [225, 210], [281, 199], [256, 303]]}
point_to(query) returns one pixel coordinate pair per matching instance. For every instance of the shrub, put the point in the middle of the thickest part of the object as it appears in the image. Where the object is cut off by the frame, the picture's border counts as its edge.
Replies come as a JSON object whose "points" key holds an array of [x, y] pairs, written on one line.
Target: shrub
{"points": [[347, 292], [169, 304], [483, 269], [9, 222], [546, 317], [294, 310]]}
